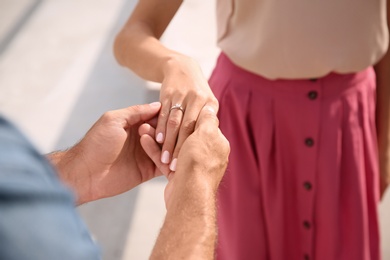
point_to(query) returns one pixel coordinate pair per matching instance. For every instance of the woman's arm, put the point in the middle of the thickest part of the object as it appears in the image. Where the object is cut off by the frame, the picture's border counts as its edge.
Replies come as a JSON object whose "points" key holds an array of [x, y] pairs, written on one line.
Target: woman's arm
{"points": [[137, 47], [382, 70]]}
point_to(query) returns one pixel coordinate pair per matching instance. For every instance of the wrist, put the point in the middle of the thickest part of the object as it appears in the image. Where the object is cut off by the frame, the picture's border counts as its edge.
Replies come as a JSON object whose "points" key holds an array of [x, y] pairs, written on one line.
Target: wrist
{"points": [[57, 159], [70, 170], [192, 208], [194, 188], [178, 63]]}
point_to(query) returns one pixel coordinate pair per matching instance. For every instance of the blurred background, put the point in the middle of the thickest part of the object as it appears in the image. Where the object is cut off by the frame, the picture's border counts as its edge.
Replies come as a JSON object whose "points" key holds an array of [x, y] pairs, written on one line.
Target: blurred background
{"points": [[58, 75]]}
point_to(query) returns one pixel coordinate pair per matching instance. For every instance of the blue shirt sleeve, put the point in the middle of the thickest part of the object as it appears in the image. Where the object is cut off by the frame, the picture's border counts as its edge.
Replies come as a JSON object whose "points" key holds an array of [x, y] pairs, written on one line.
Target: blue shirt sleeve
{"points": [[38, 220]]}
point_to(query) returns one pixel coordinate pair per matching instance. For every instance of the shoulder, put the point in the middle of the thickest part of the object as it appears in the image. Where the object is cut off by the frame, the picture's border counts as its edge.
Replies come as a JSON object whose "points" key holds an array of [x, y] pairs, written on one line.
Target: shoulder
{"points": [[38, 218], [23, 170]]}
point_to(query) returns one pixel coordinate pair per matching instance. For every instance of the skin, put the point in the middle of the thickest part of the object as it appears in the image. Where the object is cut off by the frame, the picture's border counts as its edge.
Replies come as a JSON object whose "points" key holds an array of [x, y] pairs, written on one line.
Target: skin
{"points": [[99, 166], [191, 192], [382, 70], [138, 48], [119, 152]]}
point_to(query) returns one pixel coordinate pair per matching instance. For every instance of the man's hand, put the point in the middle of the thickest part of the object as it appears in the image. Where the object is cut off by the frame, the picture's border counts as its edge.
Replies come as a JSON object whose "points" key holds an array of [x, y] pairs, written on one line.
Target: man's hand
{"points": [[189, 230], [109, 160], [204, 158], [205, 151]]}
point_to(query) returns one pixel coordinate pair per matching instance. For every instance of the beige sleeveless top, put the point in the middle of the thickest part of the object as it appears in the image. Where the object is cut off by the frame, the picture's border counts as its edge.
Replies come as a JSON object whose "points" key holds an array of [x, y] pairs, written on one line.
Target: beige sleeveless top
{"points": [[302, 38]]}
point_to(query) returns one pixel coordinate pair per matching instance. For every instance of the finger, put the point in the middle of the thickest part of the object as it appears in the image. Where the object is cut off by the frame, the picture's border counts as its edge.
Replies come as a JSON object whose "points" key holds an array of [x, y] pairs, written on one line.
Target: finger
{"points": [[162, 122], [153, 122], [152, 149], [138, 113], [173, 126], [146, 129], [187, 128]]}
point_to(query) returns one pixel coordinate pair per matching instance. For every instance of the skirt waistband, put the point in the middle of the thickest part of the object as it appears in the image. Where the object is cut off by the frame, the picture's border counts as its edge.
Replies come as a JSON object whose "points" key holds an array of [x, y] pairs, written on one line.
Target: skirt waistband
{"points": [[330, 85]]}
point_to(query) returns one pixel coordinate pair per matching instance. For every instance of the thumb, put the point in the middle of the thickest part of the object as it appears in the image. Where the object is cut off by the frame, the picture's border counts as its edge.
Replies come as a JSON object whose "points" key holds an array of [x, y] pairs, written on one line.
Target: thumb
{"points": [[140, 113]]}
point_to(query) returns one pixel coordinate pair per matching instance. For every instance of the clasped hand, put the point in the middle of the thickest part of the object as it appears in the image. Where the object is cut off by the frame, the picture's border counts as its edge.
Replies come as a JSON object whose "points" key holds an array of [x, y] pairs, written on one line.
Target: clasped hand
{"points": [[184, 92], [119, 153]]}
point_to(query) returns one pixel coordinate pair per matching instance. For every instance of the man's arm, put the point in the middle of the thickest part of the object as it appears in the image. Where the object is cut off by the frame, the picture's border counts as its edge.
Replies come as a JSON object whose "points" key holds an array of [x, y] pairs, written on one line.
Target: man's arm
{"points": [[189, 230], [37, 215], [382, 70]]}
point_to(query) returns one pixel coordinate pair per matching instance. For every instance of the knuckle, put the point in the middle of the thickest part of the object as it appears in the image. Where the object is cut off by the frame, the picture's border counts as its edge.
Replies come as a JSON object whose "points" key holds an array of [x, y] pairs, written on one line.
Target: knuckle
{"points": [[166, 91], [163, 114], [214, 101], [108, 116], [198, 93], [211, 121], [136, 108], [173, 122]]}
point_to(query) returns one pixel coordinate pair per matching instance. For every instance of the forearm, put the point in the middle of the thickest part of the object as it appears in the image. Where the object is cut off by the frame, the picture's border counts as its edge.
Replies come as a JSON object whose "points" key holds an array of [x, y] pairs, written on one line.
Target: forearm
{"points": [[137, 46], [189, 230], [57, 160], [383, 113], [382, 70], [383, 102]]}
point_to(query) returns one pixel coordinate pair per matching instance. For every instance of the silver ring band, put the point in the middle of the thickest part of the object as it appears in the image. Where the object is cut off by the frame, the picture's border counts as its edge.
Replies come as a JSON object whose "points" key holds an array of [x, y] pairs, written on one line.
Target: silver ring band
{"points": [[177, 106]]}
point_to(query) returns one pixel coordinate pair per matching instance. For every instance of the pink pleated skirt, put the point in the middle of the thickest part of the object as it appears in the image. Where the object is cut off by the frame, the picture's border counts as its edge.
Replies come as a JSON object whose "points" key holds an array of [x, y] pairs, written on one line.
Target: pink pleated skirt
{"points": [[303, 180]]}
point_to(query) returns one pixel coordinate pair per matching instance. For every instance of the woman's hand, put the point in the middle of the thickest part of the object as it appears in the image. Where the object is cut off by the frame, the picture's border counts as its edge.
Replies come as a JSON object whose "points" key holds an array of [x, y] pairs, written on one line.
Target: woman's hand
{"points": [[202, 161], [184, 93], [184, 90]]}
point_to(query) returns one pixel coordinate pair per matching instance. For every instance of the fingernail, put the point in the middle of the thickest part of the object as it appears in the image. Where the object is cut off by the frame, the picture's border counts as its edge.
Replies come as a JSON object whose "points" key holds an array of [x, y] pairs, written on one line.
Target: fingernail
{"points": [[159, 137], [172, 166], [155, 104], [165, 157]]}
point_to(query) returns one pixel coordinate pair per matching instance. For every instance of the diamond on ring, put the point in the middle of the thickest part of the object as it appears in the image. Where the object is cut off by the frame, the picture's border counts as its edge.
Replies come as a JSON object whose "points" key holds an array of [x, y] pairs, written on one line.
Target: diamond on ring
{"points": [[177, 106]]}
